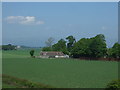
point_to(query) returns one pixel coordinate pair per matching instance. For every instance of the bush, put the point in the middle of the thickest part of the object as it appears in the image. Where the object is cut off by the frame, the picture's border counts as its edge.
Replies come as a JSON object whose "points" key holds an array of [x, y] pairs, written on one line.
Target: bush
{"points": [[32, 53], [114, 85]]}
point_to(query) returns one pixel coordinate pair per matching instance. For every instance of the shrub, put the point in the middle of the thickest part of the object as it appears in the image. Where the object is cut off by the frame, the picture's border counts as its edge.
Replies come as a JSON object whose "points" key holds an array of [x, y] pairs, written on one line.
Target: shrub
{"points": [[114, 85], [32, 53]]}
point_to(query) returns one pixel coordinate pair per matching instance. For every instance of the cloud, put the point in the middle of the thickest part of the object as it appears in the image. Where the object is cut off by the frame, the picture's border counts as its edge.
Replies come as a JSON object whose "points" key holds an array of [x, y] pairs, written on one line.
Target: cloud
{"points": [[26, 20], [40, 22]]}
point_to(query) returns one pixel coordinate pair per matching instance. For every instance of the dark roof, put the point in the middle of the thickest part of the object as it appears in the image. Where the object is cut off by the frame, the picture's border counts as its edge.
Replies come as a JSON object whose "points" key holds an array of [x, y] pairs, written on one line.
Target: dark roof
{"points": [[51, 53]]}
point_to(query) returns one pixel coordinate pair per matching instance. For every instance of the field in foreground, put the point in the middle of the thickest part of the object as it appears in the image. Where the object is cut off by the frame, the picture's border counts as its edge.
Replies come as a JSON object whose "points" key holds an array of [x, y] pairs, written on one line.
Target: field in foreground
{"points": [[60, 73]]}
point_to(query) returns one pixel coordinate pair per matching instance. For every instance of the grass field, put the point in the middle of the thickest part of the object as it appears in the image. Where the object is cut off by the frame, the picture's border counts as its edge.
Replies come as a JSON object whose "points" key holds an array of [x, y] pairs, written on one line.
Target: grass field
{"points": [[8, 86], [60, 73]]}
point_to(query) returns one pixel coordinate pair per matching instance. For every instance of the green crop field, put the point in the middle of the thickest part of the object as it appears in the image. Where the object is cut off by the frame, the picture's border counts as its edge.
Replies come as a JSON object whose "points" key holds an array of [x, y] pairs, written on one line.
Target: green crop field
{"points": [[59, 73], [7, 86]]}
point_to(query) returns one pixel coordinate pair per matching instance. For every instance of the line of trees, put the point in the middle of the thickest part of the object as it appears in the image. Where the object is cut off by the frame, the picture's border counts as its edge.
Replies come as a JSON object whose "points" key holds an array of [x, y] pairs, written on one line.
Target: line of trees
{"points": [[8, 47], [90, 47], [85, 47]]}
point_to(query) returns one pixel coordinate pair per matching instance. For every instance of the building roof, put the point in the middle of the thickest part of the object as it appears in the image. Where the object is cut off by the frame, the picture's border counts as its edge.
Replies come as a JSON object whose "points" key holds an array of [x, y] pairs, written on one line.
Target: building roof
{"points": [[51, 53]]}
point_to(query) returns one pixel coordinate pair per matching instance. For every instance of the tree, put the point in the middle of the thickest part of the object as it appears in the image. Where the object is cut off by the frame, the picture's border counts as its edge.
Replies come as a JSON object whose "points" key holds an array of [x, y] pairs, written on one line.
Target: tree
{"points": [[46, 49], [71, 41], [90, 47], [32, 53], [109, 52], [81, 48], [115, 50], [60, 46], [98, 46], [8, 47], [49, 42]]}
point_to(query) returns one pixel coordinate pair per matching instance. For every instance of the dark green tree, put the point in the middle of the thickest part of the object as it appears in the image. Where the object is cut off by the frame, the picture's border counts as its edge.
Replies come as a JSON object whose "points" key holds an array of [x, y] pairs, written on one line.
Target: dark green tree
{"points": [[8, 47], [60, 46], [90, 47], [71, 41], [109, 52], [115, 52], [32, 53], [81, 48], [46, 49], [98, 46]]}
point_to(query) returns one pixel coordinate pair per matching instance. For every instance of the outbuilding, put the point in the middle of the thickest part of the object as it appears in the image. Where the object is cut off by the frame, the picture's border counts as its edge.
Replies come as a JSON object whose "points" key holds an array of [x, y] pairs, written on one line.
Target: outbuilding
{"points": [[52, 54]]}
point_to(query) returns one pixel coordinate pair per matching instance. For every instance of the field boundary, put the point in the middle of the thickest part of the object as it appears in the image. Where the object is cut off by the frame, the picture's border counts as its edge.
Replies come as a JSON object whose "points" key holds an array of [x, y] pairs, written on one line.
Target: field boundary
{"points": [[98, 59], [22, 83]]}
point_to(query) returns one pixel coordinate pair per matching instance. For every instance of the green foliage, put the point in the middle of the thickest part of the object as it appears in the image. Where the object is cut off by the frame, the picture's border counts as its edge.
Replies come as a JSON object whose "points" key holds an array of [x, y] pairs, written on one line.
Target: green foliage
{"points": [[109, 53], [115, 50], [98, 46], [86, 47], [46, 49], [71, 41], [81, 48], [113, 85], [8, 47], [32, 53], [90, 47], [60, 46]]}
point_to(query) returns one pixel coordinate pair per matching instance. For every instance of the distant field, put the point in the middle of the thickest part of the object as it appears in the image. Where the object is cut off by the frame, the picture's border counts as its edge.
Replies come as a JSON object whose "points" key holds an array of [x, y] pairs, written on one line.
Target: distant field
{"points": [[60, 73]]}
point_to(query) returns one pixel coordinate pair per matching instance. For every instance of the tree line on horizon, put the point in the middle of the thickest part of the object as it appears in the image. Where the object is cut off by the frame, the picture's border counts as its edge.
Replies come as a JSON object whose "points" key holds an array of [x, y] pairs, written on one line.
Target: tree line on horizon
{"points": [[85, 47], [8, 47]]}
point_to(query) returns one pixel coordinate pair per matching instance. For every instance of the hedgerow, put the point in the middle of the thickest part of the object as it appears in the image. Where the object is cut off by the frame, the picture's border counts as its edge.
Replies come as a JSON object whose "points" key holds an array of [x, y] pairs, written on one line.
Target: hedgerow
{"points": [[22, 83]]}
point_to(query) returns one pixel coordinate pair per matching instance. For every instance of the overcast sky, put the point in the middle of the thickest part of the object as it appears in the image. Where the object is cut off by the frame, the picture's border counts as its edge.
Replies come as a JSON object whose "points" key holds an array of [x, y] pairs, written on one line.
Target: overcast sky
{"points": [[31, 24]]}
